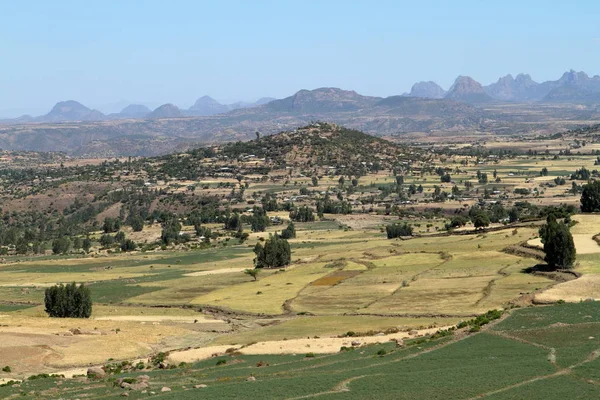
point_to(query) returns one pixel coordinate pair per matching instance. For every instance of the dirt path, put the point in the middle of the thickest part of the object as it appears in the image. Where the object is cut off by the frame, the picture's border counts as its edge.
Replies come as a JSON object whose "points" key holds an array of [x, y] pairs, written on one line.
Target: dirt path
{"points": [[216, 272], [295, 346], [162, 318]]}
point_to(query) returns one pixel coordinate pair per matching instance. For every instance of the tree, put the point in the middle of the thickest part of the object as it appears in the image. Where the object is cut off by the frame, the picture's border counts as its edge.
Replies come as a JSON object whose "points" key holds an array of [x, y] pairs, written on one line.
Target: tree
{"points": [[590, 197], [289, 232], [446, 178], [170, 231], [87, 244], [137, 223], [275, 253], [558, 244], [68, 301], [397, 230], [106, 240], [315, 181], [111, 225], [61, 245], [120, 237], [253, 272], [233, 223], [481, 220], [128, 245], [302, 214], [259, 220], [513, 214]]}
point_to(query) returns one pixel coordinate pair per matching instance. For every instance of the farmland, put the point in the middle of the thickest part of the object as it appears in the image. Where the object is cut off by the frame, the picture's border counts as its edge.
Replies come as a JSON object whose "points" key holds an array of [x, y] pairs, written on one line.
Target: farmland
{"points": [[183, 286], [528, 355]]}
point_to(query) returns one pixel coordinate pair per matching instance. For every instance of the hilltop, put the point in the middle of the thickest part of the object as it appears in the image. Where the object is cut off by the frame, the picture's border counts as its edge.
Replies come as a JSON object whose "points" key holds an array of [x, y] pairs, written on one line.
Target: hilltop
{"points": [[322, 145]]}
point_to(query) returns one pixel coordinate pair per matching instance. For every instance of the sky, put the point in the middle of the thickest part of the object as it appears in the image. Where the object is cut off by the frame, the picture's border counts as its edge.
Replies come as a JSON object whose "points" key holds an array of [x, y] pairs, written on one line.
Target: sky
{"points": [[106, 54]]}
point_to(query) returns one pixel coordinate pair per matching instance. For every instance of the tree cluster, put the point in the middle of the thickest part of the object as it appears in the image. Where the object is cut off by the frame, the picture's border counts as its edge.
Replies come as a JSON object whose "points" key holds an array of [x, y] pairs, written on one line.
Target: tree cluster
{"points": [[275, 253], [68, 301]]}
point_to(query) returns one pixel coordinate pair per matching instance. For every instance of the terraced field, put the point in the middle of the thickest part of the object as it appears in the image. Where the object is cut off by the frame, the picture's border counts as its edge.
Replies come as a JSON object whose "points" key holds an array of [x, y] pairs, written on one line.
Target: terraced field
{"points": [[340, 280]]}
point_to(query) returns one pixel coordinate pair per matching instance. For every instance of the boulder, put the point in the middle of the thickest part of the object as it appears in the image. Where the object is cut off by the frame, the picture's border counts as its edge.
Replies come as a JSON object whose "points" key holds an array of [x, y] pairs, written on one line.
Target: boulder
{"points": [[251, 379], [96, 372], [355, 343], [165, 389], [139, 386], [202, 385]]}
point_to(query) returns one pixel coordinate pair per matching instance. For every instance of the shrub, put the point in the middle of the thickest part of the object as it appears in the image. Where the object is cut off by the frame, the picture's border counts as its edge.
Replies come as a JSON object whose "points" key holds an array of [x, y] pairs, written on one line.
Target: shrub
{"points": [[68, 301], [6, 369]]}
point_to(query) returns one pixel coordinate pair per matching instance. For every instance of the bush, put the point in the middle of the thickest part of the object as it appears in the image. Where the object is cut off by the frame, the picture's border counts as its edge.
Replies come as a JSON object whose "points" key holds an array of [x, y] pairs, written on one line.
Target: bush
{"points": [[68, 301], [128, 245], [6, 369]]}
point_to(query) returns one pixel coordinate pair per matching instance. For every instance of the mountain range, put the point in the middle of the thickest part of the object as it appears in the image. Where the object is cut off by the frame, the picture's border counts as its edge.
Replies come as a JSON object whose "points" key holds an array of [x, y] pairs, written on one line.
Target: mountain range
{"points": [[71, 110], [428, 110], [572, 87]]}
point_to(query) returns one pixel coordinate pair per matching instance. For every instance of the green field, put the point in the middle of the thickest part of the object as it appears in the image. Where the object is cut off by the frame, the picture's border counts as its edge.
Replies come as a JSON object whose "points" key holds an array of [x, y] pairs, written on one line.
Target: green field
{"points": [[527, 355]]}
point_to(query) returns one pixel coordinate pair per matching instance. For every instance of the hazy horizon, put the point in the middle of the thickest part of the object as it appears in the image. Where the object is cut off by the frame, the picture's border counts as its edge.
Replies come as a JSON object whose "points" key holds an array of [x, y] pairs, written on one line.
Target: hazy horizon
{"points": [[147, 53]]}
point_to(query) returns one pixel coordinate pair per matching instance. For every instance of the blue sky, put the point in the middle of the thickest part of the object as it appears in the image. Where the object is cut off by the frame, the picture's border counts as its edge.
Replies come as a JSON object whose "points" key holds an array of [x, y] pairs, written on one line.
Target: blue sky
{"points": [[104, 52]]}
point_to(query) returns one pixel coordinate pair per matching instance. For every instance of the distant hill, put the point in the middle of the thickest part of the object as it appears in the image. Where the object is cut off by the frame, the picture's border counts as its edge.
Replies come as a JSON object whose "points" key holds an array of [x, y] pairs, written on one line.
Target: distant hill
{"points": [[468, 90], [322, 100], [574, 87], [166, 111], [71, 111], [135, 111], [206, 105], [521, 88], [430, 90], [264, 100]]}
